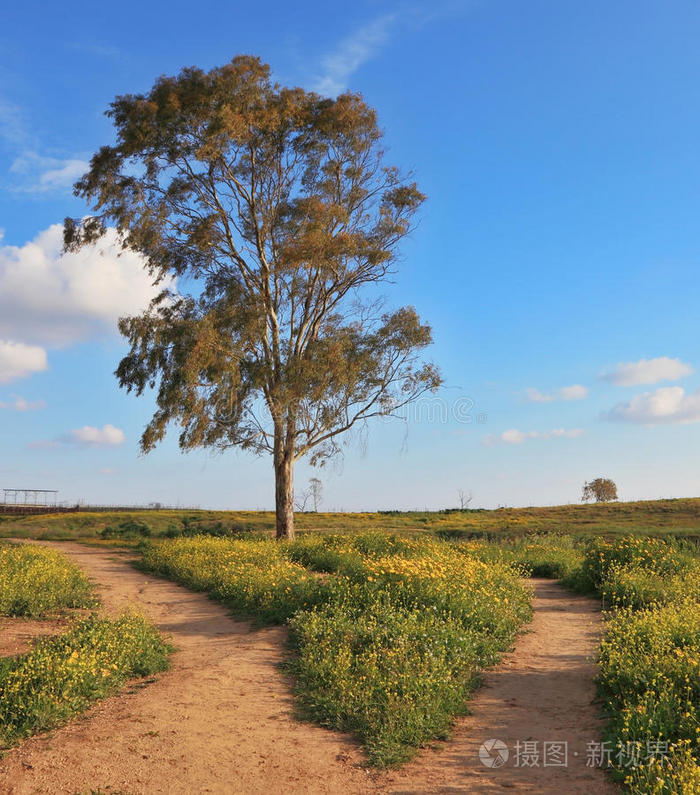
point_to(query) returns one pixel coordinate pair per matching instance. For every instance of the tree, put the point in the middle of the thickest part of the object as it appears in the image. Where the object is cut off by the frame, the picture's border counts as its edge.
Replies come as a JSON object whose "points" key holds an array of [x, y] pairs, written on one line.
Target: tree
{"points": [[600, 490], [464, 498], [316, 488], [301, 500], [272, 208]]}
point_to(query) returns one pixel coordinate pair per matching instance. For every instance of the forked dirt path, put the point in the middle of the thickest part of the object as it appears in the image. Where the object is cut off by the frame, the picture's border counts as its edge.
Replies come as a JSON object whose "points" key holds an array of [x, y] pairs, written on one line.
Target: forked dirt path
{"points": [[220, 720], [542, 692]]}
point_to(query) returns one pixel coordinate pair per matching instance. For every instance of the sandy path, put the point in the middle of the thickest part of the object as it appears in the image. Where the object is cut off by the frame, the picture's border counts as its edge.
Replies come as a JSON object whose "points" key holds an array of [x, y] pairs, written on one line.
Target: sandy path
{"points": [[541, 692], [220, 720]]}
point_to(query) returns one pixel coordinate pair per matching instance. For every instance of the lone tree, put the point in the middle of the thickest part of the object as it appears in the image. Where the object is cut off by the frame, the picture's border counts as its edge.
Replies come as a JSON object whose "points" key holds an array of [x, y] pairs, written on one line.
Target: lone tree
{"points": [[316, 488], [271, 207], [600, 490]]}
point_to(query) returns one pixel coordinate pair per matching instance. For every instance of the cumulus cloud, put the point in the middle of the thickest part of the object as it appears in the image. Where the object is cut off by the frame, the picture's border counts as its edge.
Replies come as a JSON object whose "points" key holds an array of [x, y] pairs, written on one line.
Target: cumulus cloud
{"points": [[40, 174], [514, 436], [573, 392], [87, 436], [352, 52], [18, 403], [18, 360], [646, 371], [53, 299], [669, 404]]}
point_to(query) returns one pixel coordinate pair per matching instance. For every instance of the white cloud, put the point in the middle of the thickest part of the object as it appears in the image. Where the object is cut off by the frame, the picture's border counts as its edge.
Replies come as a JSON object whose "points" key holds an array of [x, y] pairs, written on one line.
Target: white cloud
{"points": [[18, 403], [18, 360], [646, 371], [40, 174], [32, 171], [352, 52], [573, 392], [87, 436], [514, 436], [668, 404], [54, 299]]}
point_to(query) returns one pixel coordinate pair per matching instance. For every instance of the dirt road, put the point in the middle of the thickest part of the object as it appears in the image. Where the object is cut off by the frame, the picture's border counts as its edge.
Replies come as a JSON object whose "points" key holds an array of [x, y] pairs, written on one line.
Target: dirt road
{"points": [[220, 720]]}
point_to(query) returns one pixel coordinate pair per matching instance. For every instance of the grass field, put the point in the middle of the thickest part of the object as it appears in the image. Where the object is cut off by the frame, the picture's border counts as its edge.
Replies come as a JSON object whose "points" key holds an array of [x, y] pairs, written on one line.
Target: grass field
{"points": [[389, 633], [677, 517]]}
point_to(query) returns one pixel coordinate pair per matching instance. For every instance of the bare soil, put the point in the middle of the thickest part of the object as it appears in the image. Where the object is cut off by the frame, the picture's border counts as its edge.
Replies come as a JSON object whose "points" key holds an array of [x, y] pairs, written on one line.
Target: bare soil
{"points": [[221, 720], [17, 635]]}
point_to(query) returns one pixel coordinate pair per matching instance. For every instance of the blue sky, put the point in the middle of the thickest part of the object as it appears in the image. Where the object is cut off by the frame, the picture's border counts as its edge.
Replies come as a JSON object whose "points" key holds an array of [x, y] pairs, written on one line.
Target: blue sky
{"points": [[556, 258]]}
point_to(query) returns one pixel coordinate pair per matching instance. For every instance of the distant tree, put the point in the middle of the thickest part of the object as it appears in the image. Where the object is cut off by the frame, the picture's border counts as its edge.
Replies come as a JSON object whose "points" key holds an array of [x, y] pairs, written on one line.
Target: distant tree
{"points": [[273, 208], [600, 490], [465, 497], [301, 500], [316, 492]]}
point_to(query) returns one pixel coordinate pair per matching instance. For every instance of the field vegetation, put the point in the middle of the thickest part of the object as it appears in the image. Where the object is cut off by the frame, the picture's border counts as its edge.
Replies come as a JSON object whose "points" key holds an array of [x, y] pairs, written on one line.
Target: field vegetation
{"points": [[389, 633], [61, 675], [390, 630], [35, 581], [650, 659], [674, 517]]}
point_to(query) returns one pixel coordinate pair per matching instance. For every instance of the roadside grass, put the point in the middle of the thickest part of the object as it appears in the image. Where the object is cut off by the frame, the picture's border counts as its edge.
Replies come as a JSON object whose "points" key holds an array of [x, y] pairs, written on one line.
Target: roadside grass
{"points": [[649, 680], [35, 581], [388, 633], [538, 555], [62, 676]]}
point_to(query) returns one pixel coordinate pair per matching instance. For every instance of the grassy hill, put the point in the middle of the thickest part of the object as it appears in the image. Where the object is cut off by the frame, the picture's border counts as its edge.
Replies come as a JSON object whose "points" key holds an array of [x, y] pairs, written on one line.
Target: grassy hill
{"points": [[679, 517]]}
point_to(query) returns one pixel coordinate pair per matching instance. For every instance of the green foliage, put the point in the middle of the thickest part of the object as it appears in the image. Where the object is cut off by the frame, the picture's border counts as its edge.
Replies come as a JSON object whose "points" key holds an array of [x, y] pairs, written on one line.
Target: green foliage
{"points": [[536, 555], [389, 632], [61, 676], [650, 680], [253, 578], [35, 581], [605, 558], [129, 528], [637, 587], [396, 677], [600, 490], [650, 659]]}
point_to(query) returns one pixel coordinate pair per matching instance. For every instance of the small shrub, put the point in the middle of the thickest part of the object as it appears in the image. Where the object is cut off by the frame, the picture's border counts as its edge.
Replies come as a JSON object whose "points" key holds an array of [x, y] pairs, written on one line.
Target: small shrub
{"points": [[128, 529]]}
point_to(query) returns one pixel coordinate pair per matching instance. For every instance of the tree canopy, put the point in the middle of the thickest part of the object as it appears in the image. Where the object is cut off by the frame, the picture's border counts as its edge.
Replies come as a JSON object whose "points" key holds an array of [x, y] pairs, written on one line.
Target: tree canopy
{"points": [[270, 208], [600, 490]]}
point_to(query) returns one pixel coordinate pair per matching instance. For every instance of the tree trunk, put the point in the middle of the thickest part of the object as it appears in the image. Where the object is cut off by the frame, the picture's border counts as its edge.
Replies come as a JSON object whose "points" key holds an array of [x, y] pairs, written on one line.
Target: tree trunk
{"points": [[284, 494]]}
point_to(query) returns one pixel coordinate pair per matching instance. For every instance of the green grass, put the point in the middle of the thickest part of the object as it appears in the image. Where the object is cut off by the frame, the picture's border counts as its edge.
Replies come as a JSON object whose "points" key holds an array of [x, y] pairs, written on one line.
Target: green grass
{"points": [[63, 675], [389, 633], [35, 581], [678, 517], [649, 678]]}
